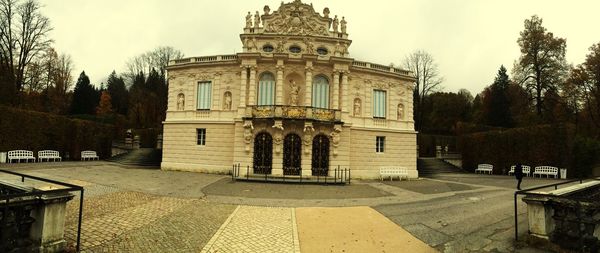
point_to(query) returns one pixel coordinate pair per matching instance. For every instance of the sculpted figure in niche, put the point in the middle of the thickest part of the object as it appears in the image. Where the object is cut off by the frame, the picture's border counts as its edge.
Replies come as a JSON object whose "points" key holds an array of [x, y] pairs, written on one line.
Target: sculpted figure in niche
{"points": [[337, 50], [357, 107], [180, 102], [256, 20], [281, 45], [400, 112], [294, 90], [310, 47], [227, 101], [335, 24], [343, 25], [248, 20]]}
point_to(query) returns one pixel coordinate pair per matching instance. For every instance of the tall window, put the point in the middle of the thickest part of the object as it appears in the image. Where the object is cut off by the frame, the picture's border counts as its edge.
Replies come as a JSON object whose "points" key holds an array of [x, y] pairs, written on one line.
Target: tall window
{"points": [[379, 103], [266, 89], [380, 144], [320, 92], [204, 95], [201, 136]]}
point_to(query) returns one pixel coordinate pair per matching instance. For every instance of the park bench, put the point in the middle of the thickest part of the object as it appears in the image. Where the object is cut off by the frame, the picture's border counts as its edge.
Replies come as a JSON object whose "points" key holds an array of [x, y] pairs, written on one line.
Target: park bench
{"points": [[484, 167], [526, 170], [546, 170], [89, 155], [48, 154], [392, 172], [20, 155]]}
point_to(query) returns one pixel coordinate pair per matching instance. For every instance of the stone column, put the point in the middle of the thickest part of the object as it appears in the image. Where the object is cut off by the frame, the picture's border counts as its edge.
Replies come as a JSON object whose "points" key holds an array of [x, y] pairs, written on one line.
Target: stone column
{"points": [[336, 90], [308, 91], [252, 88], [48, 228], [243, 81], [345, 89], [279, 85]]}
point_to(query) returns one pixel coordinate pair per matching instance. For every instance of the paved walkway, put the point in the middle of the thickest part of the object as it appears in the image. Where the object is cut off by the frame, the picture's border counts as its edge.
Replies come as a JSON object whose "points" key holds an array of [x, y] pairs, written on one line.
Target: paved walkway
{"points": [[128, 209]]}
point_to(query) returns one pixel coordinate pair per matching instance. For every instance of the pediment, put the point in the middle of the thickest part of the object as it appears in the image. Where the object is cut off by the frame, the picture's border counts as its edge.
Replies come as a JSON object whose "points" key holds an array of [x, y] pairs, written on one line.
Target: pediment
{"points": [[296, 18]]}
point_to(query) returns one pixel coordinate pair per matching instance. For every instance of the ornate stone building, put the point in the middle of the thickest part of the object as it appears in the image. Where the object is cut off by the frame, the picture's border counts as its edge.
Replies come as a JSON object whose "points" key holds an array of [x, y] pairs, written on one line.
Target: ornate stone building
{"points": [[293, 100]]}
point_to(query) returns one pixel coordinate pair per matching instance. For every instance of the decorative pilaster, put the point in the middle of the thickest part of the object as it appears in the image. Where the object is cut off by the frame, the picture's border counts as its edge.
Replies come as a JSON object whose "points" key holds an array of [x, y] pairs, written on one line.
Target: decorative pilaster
{"points": [[216, 92], [336, 90], [308, 85], [243, 81], [252, 88], [345, 92], [279, 85]]}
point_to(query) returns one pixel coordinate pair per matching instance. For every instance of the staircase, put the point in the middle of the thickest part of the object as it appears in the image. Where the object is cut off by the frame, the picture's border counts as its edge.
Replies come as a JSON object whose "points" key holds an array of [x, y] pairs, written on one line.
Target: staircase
{"points": [[432, 166], [139, 157]]}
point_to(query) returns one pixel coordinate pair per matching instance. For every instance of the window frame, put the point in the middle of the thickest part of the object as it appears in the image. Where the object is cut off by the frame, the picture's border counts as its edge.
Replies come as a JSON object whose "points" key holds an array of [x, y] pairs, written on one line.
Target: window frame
{"points": [[200, 136], [379, 144], [205, 105], [319, 100], [259, 98], [376, 113]]}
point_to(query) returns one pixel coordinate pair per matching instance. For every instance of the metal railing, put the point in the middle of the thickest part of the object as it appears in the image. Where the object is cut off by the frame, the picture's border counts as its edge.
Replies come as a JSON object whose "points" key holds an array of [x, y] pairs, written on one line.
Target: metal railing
{"points": [[540, 194], [318, 175], [38, 194]]}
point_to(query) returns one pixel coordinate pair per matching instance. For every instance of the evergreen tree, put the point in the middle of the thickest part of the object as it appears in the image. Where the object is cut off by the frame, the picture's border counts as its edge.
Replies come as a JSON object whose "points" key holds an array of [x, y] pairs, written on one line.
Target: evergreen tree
{"points": [[85, 96], [118, 93], [497, 106]]}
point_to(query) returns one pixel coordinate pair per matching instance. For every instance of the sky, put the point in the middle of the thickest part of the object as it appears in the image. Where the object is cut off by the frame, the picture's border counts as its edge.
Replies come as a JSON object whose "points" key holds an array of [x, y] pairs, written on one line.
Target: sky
{"points": [[468, 39]]}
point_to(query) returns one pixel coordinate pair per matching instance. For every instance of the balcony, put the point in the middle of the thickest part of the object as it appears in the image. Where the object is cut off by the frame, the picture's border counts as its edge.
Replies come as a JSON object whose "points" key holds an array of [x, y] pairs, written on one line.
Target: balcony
{"points": [[294, 112]]}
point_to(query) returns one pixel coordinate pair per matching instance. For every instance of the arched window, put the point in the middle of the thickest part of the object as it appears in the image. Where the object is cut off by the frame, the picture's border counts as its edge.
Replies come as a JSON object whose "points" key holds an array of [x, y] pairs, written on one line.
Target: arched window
{"points": [[320, 92], [266, 89]]}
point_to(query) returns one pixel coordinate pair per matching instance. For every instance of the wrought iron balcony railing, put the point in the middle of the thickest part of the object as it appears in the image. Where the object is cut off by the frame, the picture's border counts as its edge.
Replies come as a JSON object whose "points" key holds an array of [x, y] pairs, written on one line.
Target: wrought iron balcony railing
{"points": [[295, 112]]}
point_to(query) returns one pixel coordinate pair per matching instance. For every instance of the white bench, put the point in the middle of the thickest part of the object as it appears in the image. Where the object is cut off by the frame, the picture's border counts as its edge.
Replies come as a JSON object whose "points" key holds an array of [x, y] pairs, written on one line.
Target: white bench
{"points": [[49, 154], [484, 167], [89, 155], [546, 170], [526, 170], [20, 155], [392, 172]]}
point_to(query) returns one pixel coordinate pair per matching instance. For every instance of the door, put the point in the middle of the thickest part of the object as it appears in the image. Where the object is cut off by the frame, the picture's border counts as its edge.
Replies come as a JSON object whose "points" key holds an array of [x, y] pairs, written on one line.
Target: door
{"points": [[320, 155], [263, 153], [292, 155]]}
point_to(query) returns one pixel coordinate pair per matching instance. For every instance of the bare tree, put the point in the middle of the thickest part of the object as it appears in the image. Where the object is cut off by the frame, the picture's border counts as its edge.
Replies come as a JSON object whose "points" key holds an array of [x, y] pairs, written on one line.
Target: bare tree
{"points": [[157, 59], [23, 36], [427, 80]]}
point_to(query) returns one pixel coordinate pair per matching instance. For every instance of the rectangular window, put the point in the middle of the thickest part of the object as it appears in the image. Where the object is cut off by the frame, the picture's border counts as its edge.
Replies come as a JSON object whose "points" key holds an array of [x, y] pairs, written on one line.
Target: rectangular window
{"points": [[204, 95], [266, 92], [379, 103], [201, 135], [380, 144]]}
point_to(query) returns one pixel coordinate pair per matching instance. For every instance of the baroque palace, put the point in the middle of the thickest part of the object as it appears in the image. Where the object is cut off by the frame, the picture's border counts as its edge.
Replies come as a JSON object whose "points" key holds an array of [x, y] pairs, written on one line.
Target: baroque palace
{"points": [[292, 102]]}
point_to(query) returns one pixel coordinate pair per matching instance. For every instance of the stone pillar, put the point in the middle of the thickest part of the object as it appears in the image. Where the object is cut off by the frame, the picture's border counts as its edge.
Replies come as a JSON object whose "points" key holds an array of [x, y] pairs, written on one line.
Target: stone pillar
{"points": [[279, 85], [335, 102], [252, 88], [345, 89], [49, 226], [308, 85], [243, 81]]}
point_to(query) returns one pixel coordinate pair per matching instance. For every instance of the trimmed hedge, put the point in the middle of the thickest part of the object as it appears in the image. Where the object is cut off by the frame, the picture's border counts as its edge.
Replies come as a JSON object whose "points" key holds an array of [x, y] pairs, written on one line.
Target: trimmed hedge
{"points": [[551, 145], [29, 130]]}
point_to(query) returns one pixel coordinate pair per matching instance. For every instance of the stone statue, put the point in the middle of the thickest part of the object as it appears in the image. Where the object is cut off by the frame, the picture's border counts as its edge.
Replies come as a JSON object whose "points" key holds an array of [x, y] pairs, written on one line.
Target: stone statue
{"points": [[281, 45], [294, 90], [343, 49], [335, 24], [249, 20], [227, 101], [326, 12], [400, 112], [337, 50], [266, 10], [343, 25], [256, 20], [251, 44], [310, 46], [180, 102], [357, 107]]}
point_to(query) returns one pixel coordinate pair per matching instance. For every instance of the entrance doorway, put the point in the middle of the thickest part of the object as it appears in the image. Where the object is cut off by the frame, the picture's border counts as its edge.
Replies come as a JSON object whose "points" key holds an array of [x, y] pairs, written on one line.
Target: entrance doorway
{"points": [[292, 155], [320, 155], [263, 154]]}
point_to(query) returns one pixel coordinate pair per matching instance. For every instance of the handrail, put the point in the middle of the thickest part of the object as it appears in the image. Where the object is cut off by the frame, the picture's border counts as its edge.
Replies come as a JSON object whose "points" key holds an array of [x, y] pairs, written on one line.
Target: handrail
{"points": [[39, 193]]}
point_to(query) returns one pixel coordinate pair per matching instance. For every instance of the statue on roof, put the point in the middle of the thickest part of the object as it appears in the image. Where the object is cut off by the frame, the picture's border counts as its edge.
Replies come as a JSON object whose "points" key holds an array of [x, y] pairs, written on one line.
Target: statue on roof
{"points": [[335, 24], [249, 20], [343, 25], [256, 20]]}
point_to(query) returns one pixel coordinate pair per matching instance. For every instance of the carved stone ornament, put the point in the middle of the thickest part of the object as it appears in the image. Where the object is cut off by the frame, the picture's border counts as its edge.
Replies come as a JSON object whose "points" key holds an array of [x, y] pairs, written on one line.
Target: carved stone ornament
{"points": [[308, 131], [248, 128], [296, 18], [180, 102], [335, 138]]}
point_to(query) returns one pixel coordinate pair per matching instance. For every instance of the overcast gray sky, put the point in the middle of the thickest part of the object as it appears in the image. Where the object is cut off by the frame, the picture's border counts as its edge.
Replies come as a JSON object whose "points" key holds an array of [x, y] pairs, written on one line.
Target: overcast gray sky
{"points": [[469, 39]]}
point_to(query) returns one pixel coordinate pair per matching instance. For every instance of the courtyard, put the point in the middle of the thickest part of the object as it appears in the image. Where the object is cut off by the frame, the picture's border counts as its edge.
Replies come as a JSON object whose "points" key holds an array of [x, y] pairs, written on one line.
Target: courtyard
{"points": [[130, 209]]}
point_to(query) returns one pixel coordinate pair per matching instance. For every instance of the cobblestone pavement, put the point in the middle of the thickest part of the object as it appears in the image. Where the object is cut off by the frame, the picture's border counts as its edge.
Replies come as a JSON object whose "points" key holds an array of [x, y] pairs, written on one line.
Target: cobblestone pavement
{"points": [[257, 229]]}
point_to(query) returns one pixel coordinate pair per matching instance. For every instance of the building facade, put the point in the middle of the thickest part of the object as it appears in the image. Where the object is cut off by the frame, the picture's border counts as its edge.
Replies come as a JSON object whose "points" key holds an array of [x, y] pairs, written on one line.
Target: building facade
{"points": [[292, 102]]}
